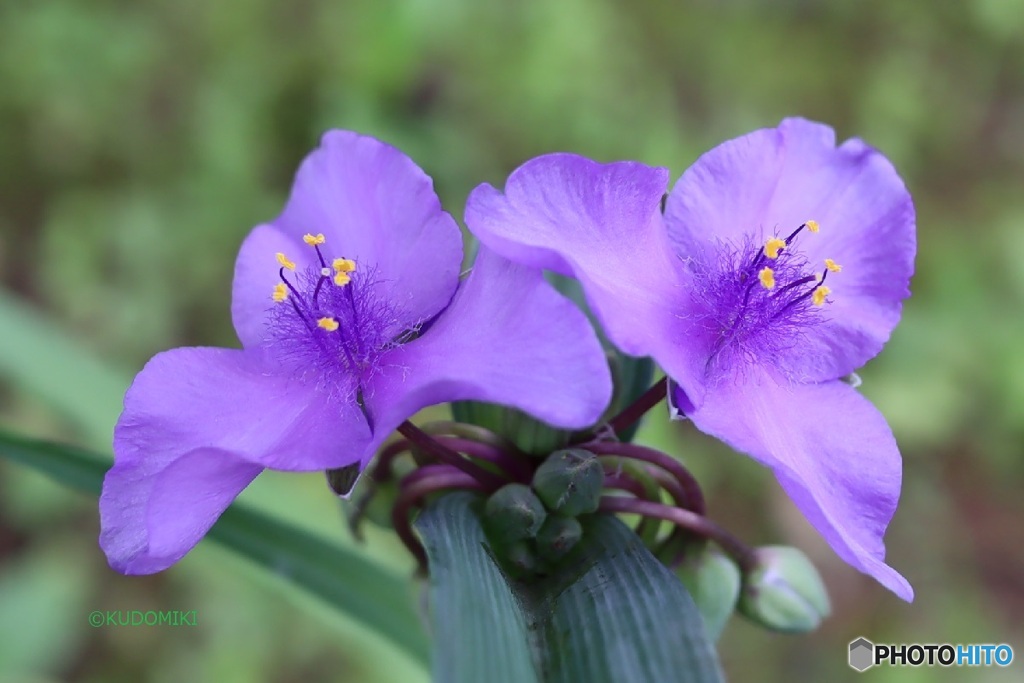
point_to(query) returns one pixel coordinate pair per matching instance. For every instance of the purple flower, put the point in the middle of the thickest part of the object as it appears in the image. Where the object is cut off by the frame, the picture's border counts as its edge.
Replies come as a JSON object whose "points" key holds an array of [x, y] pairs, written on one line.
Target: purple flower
{"points": [[352, 318], [778, 267]]}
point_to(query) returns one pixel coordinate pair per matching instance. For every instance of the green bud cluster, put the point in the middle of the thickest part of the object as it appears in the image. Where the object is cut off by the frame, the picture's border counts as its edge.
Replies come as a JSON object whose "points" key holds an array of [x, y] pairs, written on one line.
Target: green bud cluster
{"points": [[532, 528]]}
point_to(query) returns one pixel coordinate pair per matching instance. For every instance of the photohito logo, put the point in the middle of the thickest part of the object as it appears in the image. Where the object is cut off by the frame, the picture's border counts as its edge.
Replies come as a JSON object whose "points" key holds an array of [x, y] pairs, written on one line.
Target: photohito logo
{"points": [[864, 654]]}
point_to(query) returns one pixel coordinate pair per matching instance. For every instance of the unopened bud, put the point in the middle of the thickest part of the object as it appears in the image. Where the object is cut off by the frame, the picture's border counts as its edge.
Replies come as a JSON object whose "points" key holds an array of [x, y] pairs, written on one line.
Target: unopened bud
{"points": [[570, 482], [713, 581], [784, 591], [521, 559], [558, 536], [513, 513]]}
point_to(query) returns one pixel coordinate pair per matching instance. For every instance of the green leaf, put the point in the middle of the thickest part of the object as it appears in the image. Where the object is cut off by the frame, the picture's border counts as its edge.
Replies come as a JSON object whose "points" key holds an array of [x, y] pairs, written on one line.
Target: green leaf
{"points": [[38, 356], [479, 631], [361, 588], [611, 613]]}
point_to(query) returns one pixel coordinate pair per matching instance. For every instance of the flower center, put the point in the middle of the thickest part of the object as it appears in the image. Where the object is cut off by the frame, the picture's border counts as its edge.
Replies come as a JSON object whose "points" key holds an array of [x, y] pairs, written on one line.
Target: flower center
{"points": [[330, 320], [759, 298]]}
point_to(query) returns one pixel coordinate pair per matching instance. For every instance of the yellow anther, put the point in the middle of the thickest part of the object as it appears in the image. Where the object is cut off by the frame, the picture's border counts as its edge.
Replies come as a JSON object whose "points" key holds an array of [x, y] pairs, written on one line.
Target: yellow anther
{"points": [[820, 292], [767, 278], [832, 266], [280, 292], [813, 226], [329, 324], [285, 263], [342, 279], [314, 240], [772, 247], [344, 265]]}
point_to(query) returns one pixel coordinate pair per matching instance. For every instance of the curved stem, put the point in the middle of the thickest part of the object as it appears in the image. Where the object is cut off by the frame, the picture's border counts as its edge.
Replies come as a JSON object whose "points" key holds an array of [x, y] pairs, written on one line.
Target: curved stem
{"points": [[487, 479], [626, 483], [382, 470], [639, 407], [647, 528], [470, 431], [514, 467], [417, 486], [671, 550], [694, 496], [698, 524]]}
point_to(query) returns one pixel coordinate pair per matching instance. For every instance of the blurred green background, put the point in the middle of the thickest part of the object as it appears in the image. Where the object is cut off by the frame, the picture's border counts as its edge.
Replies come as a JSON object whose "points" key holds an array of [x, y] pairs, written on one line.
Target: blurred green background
{"points": [[140, 141]]}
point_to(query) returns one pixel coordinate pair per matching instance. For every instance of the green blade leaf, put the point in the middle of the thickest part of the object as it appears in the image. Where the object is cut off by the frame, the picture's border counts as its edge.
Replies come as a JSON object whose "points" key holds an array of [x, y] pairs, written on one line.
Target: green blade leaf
{"points": [[37, 355], [479, 631], [361, 588], [611, 613]]}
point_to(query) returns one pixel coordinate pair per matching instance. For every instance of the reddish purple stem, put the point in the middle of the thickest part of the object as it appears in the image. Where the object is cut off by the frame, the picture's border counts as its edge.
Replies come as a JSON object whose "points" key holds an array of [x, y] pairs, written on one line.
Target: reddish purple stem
{"points": [[639, 407], [693, 496], [686, 519], [414, 488], [489, 480], [514, 467]]}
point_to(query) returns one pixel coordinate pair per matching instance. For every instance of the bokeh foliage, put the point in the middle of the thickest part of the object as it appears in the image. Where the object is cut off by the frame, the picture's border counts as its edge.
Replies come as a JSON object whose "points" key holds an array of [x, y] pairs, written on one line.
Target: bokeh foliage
{"points": [[141, 141]]}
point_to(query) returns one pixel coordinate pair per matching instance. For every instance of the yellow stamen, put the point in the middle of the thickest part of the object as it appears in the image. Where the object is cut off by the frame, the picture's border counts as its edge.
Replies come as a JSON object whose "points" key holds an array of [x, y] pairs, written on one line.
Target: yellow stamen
{"points": [[820, 292], [832, 266], [280, 292], [329, 324], [813, 226], [342, 279], [285, 263], [772, 247], [767, 278], [344, 265], [314, 240]]}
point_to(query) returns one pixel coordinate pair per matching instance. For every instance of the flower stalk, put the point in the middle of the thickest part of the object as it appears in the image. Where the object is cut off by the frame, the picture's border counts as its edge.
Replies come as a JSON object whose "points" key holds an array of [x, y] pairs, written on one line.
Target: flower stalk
{"points": [[487, 479], [636, 410], [686, 519]]}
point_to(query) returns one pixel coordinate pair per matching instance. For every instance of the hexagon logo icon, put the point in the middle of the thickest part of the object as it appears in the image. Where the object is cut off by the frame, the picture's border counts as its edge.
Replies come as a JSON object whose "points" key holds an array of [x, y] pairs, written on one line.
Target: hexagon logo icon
{"points": [[862, 654]]}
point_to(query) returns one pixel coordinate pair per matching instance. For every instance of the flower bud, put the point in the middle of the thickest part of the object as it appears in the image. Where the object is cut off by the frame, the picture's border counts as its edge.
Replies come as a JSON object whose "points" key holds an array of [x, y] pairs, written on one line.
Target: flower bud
{"points": [[520, 559], [784, 591], [713, 581], [558, 536], [513, 513], [570, 482]]}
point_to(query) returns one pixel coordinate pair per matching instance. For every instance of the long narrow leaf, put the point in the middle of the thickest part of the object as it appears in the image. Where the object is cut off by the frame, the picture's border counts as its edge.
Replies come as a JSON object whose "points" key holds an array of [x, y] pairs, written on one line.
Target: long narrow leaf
{"points": [[359, 587], [40, 357], [612, 613], [479, 630]]}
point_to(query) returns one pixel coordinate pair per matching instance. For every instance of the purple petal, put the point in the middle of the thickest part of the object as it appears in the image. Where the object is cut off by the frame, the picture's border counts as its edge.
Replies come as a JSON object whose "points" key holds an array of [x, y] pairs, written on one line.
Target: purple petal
{"points": [[198, 425], [152, 513], [199, 398], [374, 205], [508, 338], [600, 223], [773, 180], [830, 449]]}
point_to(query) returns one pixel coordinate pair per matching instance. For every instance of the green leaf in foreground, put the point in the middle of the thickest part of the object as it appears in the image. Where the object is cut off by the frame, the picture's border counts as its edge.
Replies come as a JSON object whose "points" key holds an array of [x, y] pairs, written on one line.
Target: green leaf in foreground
{"points": [[361, 588], [612, 613], [42, 358]]}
